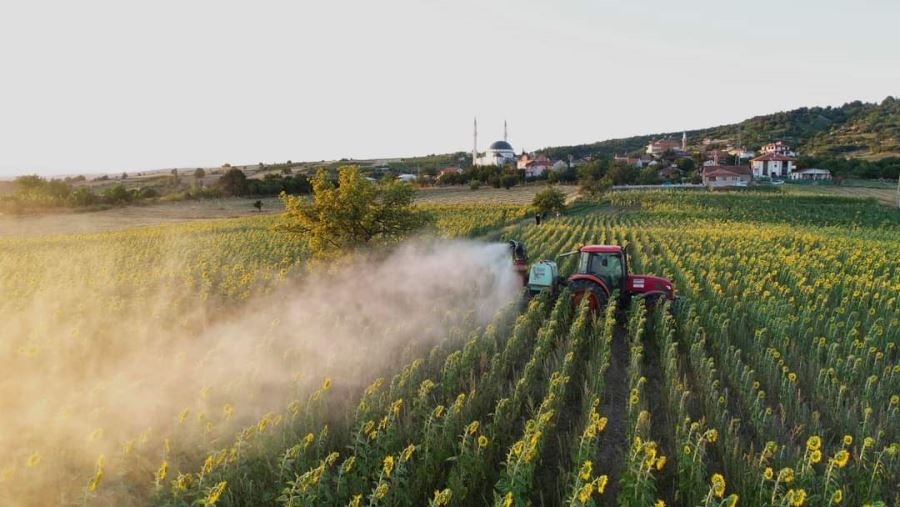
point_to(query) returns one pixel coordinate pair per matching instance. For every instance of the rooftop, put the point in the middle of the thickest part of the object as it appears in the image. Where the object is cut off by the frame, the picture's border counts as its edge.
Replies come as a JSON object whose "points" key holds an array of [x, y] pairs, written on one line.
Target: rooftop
{"points": [[773, 156], [727, 170], [601, 249]]}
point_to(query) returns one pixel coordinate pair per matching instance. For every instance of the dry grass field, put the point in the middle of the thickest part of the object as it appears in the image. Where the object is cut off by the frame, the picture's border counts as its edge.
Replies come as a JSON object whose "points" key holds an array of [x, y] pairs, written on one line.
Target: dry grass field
{"points": [[132, 216], [183, 211], [885, 196]]}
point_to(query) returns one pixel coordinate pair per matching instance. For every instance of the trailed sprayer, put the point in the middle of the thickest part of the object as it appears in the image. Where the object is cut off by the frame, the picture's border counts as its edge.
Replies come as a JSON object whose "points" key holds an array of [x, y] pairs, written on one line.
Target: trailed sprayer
{"points": [[601, 270]]}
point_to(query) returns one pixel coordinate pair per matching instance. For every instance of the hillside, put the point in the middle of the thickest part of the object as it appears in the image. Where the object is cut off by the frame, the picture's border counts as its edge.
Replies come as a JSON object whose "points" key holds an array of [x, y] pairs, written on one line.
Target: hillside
{"points": [[856, 129]]}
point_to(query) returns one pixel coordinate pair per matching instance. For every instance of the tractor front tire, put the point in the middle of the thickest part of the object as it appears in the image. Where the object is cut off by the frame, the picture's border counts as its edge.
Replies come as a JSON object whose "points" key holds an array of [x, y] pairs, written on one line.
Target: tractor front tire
{"points": [[597, 296]]}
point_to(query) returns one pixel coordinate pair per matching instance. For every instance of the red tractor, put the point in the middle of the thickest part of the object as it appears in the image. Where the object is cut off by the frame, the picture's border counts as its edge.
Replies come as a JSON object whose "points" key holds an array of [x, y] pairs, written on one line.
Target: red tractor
{"points": [[601, 270]]}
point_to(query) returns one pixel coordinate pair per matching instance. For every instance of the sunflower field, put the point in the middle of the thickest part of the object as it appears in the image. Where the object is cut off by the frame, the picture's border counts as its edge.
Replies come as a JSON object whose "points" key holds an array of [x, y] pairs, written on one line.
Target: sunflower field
{"points": [[775, 381]]}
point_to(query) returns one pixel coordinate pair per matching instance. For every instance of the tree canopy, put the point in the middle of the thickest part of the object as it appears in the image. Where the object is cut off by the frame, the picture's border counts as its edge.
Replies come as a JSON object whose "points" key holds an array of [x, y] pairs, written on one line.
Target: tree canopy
{"points": [[352, 213], [549, 200]]}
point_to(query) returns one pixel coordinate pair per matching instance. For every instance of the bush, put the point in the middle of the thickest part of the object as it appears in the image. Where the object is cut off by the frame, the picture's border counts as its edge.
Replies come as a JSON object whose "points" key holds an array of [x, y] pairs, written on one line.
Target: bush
{"points": [[117, 194], [83, 196], [509, 180]]}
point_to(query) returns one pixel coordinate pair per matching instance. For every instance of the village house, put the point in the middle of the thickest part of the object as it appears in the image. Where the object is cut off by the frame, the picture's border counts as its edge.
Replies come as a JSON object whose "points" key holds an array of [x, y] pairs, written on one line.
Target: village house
{"points": [[740, 152], [533, 165], [638, 162], [450, 170], [727, 176], [779, 148], [811, 174], [527, 159], [772, 165], [660, 146]]}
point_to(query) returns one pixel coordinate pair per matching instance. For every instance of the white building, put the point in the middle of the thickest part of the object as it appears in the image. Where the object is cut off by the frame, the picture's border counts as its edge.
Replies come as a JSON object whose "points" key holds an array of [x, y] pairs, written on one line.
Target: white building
{"points": [[407, 178], [772, 165], [811, 174], [498, 153]]}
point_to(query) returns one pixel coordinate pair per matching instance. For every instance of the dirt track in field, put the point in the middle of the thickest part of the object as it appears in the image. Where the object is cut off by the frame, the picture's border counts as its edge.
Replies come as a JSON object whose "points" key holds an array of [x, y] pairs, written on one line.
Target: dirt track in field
{"points": [[612, 406]]}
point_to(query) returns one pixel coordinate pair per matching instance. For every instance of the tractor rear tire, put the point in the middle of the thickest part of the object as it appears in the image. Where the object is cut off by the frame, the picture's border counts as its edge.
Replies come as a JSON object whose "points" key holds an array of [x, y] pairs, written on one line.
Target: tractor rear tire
{"points": [[595, 292]]}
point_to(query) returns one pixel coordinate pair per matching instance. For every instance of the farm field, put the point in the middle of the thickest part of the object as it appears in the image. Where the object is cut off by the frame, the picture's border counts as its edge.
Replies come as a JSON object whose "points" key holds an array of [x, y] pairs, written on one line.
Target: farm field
{"points": [[519, 195], [885, 196], [132, 216], [211, 362], [162, 213]]}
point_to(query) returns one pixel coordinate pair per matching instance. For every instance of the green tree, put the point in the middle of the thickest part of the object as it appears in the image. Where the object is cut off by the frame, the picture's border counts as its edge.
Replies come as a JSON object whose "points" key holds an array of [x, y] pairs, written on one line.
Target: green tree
{"points": [[354, 213], [595, 187], [549, 200], [648, 176], [686, 164], [593, 170], [233, 182], [199, 173], [622, 174]]}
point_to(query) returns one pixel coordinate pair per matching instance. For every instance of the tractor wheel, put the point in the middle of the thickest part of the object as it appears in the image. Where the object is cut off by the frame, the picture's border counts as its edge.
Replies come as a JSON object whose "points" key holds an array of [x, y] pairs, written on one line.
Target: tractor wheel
{"points": [[651, 301], [597, 295]]}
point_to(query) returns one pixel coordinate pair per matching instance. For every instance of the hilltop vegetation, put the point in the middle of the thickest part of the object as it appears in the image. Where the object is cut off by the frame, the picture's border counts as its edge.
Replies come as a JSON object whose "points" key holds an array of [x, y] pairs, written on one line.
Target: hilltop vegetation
{"points": [[855, 129]]}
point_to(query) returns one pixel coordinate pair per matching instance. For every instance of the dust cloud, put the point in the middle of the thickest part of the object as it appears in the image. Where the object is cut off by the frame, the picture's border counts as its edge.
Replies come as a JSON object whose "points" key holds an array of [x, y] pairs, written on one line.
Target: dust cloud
{"points": [[85, 374]]}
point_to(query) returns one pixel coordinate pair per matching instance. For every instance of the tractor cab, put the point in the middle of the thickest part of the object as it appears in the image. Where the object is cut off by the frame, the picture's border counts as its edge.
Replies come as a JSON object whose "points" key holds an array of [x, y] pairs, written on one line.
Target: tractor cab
{"points": [[608, 263]]}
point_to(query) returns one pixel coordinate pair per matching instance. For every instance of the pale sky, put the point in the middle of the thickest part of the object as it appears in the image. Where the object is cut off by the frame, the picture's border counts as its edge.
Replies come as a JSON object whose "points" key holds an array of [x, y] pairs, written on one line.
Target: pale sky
{"points": [[95, 86]]}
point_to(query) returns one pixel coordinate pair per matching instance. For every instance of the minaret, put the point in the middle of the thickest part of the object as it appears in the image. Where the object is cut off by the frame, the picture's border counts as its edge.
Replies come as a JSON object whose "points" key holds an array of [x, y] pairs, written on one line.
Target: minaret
{"points": [[684, 141], [475, 142], [505, 139]]}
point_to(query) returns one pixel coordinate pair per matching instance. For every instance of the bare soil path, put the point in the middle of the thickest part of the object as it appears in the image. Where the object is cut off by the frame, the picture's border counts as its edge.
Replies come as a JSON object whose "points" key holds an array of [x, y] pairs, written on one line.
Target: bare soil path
{"points": [[612, 406]]}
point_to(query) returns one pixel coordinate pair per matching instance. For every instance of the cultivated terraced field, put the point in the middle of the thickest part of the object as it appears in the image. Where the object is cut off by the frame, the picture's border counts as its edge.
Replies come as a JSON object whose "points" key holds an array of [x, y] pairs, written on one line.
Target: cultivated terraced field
{"points": [[776, 382]]}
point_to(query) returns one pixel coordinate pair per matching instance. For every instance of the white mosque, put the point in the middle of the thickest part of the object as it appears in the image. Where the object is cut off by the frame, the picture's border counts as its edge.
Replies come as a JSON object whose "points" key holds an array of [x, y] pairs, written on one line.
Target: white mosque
{"points": [[498, 153]]}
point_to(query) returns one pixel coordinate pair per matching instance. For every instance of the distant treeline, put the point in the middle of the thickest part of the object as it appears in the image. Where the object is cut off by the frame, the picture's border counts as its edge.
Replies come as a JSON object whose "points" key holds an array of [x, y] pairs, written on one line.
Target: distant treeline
{"points": [[35, 192]]}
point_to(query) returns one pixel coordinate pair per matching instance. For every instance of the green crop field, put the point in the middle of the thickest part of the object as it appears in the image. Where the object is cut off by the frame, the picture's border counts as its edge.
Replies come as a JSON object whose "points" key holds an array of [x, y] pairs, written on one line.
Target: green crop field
{"points": [[214, 363]]}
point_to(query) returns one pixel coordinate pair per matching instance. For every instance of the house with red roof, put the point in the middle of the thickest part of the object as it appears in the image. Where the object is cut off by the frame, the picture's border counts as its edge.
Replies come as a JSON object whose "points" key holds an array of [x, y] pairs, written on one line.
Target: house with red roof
{"points": [[660, 146], [533, 165], [727, 176]]}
